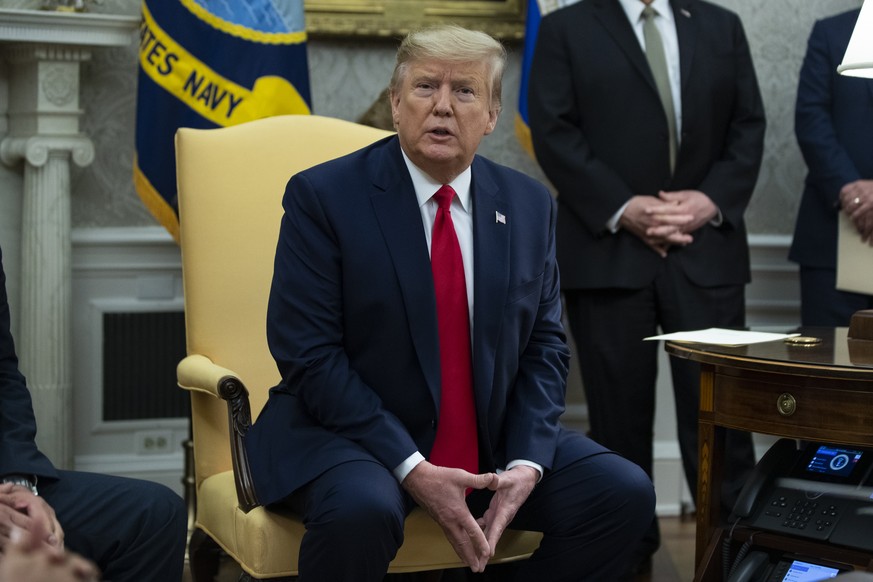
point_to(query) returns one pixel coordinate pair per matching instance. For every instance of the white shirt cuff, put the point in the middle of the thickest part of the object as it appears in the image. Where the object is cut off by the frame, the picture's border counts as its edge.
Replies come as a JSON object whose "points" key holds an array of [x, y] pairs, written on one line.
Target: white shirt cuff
{"points": [[412, 461], [718, 219], [612, 223], [404, 468], [517, 462]]}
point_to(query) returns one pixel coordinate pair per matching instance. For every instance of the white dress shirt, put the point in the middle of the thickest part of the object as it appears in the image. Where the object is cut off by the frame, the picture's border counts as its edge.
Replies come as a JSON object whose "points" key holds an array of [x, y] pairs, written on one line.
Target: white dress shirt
{"points": [[667, 27], [462, 218]]}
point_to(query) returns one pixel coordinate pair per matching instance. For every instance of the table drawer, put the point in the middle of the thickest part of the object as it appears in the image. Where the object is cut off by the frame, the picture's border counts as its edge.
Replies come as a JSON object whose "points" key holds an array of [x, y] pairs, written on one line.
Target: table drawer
{"points": [[800, 407]]}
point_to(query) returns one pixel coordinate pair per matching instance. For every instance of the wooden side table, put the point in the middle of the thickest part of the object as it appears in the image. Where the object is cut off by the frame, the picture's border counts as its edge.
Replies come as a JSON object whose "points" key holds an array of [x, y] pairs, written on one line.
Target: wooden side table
{"points": [[819, 392]]}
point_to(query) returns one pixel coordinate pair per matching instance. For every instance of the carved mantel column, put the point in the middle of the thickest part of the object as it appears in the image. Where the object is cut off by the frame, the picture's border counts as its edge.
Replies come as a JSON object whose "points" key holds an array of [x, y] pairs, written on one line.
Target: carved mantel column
{"points": [[44, 51], [45, 319]]}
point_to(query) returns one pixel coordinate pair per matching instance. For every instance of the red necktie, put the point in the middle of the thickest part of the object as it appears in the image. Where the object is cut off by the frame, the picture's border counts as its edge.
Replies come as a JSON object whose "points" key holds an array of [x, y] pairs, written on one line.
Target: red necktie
{"points": [[456, 442]]}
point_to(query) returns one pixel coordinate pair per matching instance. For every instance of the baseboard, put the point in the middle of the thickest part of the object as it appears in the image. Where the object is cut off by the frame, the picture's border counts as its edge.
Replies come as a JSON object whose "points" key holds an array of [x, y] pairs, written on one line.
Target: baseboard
{"points": [[165, 469]]}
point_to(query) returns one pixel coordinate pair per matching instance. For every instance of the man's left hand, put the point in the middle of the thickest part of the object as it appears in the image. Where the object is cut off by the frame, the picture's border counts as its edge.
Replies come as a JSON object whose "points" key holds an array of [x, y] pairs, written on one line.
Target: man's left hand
{"points": [[511, 489], [856, 200], [693, 203]]}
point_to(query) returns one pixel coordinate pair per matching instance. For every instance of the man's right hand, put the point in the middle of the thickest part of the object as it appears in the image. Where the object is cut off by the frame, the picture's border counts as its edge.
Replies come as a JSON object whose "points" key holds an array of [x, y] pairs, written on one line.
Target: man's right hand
{"points": [[20, 508], [441, 491], [26, 558]]}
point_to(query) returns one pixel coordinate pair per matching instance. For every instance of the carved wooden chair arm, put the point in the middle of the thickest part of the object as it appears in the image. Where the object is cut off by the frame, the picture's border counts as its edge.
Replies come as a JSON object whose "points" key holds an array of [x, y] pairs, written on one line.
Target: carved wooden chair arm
{"points": [[197, 373]]}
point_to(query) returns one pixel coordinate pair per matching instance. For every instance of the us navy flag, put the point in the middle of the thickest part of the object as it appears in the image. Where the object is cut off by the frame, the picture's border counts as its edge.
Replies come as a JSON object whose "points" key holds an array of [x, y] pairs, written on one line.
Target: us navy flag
{"points": [[206, 64]]}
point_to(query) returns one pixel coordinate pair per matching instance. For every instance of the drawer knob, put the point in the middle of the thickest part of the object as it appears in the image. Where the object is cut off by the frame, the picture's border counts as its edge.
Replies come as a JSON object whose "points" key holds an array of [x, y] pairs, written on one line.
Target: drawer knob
{"points": [[786, 404]]}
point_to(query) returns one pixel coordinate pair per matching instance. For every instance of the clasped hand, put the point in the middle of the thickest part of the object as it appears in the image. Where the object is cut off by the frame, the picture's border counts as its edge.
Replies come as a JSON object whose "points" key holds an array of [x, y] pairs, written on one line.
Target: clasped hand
{"points": [[32, 542], [441, 491], [21, 509], [667, 219]]}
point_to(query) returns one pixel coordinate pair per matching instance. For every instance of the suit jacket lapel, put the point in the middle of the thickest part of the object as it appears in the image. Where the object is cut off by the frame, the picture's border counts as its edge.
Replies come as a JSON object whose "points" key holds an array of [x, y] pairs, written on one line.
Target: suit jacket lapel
{"points": [[686, 32], [491, 280], [613, 18], [399, 217]]}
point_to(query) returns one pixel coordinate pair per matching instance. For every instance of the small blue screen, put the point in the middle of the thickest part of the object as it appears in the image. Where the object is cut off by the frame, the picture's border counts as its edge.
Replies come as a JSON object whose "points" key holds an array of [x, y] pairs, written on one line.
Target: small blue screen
{"points": [[806, 572], [834, 461]]}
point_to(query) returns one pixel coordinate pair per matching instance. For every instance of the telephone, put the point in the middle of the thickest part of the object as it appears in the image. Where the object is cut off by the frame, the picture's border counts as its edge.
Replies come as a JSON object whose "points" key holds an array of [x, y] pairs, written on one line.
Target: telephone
{"points": [[821, 491]]}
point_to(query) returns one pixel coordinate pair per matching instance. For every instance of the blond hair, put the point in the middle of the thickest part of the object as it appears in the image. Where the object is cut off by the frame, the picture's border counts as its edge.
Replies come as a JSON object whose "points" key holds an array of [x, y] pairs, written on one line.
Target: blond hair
{"points": [[452, 44]]}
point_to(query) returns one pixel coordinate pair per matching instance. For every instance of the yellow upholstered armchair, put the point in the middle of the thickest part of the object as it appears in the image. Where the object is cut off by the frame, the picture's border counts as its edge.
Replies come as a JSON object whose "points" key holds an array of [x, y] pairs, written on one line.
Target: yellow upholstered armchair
{"points": [[231, 182]]}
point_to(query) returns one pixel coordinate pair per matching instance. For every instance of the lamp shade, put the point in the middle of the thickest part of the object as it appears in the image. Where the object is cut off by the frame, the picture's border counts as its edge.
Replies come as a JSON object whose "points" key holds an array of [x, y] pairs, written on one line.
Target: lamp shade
{"points": [[858, 60]]}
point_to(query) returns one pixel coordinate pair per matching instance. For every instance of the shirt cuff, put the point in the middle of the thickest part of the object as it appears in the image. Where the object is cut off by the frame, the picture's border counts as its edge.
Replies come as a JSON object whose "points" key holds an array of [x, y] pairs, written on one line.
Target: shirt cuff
{"points": [[612, 223], [718, 219], [517, 462], [404, 468]]}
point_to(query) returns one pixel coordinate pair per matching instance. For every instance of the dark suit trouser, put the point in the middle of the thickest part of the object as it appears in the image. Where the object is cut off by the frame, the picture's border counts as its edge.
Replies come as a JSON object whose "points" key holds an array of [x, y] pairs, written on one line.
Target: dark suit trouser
{"points": [[134, 530], [821, 303], [592, 513], [619, 369]]}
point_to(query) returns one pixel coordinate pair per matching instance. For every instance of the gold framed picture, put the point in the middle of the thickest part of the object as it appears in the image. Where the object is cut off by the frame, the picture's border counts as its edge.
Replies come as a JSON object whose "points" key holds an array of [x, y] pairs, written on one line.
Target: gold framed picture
{"points": [[502, 19]]}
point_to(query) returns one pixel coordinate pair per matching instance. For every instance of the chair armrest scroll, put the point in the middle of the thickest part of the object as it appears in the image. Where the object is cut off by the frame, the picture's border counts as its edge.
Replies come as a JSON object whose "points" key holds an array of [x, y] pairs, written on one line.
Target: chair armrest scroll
{"points": [[197, 373]]}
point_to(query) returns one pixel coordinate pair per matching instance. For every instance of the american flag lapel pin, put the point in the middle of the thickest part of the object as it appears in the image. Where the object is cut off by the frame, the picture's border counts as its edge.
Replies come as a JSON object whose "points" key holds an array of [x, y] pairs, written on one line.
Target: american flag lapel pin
{"points": [[499, 218]]}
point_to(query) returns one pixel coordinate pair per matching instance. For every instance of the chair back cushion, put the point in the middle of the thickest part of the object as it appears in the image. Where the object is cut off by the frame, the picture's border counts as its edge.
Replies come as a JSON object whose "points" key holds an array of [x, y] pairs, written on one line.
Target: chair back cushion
{"points": [[230, 183]]}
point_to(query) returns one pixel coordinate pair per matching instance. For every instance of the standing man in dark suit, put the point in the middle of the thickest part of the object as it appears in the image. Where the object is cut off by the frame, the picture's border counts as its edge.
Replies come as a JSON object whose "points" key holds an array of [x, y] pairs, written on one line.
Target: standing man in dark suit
{"points": [[647, 118], [833, 121], [133, 530], [365, 423]]}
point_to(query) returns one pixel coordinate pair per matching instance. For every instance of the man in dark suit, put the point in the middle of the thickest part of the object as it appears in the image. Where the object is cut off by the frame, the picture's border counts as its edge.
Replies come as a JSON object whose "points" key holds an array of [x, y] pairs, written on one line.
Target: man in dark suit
{"points": [[653, 140], [358, 431], [133, 530], [833, 121]]}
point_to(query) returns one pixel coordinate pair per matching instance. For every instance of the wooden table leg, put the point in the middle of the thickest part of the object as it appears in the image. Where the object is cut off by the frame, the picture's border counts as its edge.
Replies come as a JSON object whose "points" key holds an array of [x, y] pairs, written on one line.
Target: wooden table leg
{"points": [[710, 467]]}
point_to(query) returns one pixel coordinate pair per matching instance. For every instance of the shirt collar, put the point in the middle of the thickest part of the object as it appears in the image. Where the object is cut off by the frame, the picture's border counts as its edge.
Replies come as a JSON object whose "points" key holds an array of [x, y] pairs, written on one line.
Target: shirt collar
{"points": [[426, 187], [634, 9]]}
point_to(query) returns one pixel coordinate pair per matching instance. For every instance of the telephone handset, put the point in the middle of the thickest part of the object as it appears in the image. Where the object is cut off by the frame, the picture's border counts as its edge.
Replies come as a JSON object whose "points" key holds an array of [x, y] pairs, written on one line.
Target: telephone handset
{"points": [[777, 461], [753, 567]]}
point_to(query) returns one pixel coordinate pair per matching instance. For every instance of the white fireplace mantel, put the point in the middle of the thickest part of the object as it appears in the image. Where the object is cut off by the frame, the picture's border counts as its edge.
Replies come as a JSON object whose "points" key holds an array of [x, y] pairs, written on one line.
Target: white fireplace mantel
{"points": [[43, 51], [65, 28]]}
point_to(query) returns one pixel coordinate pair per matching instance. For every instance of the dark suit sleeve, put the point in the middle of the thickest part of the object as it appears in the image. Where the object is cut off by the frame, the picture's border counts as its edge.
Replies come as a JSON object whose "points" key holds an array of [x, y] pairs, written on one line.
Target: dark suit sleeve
{"points": [[830, 166], [305, 330], [561, 145], [731, 178], [539, 396], [18, 452]]}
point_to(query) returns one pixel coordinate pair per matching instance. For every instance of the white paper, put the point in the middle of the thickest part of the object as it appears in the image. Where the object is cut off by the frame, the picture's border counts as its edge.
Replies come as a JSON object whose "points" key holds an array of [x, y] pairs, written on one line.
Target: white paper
{"points": [[723, 337], [854, 258]]}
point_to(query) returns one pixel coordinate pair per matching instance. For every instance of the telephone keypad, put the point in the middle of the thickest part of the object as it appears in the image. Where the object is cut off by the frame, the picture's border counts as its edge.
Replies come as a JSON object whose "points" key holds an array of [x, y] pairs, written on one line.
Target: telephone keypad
{"points": [[790, 511]]}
